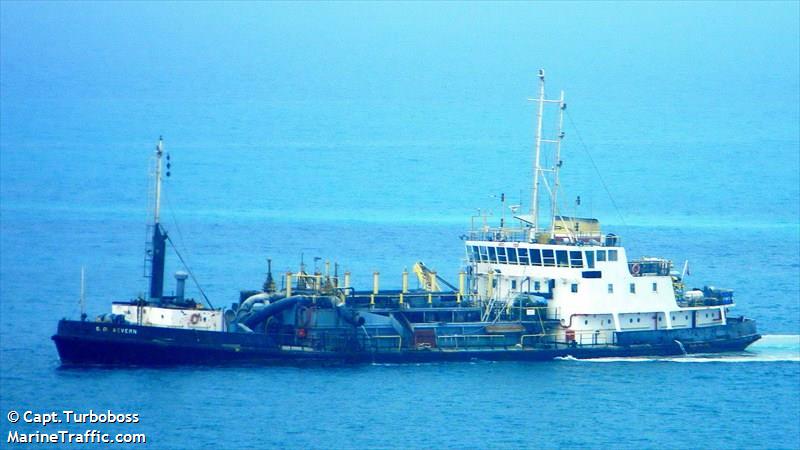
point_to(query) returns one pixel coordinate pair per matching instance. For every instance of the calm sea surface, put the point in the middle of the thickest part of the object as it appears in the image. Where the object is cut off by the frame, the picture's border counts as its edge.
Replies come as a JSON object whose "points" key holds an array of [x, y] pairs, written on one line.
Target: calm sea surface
{"points": [[368, 135]]}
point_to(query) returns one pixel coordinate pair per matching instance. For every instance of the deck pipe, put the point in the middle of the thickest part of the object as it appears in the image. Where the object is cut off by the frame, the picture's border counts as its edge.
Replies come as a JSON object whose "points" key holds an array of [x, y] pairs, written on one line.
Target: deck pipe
{"points": [[274, 308], [350, 316]]}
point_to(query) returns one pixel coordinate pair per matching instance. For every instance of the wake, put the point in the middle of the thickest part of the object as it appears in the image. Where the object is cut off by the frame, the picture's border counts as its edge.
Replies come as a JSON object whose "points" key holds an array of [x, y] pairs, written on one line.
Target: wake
{"points": [[770, 348]]}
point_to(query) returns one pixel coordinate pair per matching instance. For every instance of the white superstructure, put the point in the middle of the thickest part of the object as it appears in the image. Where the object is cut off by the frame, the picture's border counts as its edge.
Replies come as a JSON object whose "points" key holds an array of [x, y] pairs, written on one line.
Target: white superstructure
{"points": [[171, 317], [586, 278]]}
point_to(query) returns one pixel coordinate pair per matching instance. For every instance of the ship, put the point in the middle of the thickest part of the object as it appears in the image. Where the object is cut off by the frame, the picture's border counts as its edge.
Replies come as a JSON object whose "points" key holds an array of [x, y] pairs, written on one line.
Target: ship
{"points": [[538, 287]]}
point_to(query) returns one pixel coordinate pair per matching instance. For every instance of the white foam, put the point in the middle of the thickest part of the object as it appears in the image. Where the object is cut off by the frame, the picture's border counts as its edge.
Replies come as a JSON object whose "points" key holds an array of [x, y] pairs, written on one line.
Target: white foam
{"points": [[770, 348]]}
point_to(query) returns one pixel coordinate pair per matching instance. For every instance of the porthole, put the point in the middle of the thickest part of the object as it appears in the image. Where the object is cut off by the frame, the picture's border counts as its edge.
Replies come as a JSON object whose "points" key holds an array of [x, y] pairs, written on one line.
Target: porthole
{"points": [[638, 320], [673, 317], [687, 317], [586, 322], [659, 319], [631, 320]]}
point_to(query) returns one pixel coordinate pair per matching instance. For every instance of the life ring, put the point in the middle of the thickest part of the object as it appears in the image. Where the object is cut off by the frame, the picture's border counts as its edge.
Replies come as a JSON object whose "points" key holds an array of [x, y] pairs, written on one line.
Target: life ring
{"points": [[195, 318], [635, 269]]}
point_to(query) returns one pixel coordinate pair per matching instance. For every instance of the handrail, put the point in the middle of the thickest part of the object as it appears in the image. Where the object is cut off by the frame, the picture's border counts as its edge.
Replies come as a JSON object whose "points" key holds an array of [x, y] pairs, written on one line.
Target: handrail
{"points": [[405, 299], [507, 234]]}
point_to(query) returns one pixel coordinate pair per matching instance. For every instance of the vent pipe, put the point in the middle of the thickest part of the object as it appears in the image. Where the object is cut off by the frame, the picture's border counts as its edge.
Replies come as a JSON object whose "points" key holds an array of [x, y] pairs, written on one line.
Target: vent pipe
{"points": [[180, 285]]}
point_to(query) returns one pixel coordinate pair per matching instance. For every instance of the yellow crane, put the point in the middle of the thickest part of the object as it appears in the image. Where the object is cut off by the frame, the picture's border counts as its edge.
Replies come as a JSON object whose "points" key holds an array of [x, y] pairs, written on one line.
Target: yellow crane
{"points": [[428, 279]]}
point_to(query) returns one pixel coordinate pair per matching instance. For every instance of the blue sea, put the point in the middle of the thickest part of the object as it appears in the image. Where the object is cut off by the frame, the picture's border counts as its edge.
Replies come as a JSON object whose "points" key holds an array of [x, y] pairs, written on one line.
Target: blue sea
{"points": [[369, 134]]}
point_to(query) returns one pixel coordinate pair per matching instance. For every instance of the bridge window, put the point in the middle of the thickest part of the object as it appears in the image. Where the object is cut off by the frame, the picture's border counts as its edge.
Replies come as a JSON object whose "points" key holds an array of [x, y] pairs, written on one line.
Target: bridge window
{"points": [[633, 288], [610, 288], [512, 255], [601, 255], [475, 254], [561, 258], [513, 284], [612, 255], [536, 257], [574, 287], [576, 259], [492, 255], [590, 259], [484, 254], [501, 255], [536, 286], [523, 256], [548, 258]]}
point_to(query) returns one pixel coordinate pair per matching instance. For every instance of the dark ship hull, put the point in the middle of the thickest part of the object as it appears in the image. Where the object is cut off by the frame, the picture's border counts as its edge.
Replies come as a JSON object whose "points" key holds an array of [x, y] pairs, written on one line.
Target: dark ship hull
{"points": [[527, 294], [99, 343]]}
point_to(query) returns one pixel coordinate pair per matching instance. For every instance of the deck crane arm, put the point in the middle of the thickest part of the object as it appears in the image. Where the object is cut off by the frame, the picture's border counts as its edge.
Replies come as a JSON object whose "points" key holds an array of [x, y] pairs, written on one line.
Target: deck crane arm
{"points": [[428, 279]]}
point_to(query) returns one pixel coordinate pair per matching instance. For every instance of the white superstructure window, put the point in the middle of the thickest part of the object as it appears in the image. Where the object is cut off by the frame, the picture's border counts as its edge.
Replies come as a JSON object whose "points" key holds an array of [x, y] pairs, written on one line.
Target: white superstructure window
{"points": [[523, 256], [610, 288], [561, 258], [512, 255], [548, 258], [536, 257], [501, 255], [655, 287], [633, 288], [576, 259], [612, 255], [574, 287]]}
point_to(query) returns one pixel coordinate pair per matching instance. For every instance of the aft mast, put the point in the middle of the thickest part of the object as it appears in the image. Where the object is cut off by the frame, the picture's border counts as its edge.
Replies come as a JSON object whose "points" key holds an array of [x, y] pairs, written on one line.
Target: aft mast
{"points": [[159, 238]]}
